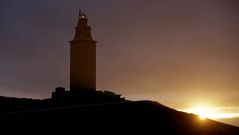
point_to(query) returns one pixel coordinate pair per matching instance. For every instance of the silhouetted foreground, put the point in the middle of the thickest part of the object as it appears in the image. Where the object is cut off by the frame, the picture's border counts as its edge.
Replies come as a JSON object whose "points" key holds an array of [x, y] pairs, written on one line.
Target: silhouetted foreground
{"points": [[113, 117]]}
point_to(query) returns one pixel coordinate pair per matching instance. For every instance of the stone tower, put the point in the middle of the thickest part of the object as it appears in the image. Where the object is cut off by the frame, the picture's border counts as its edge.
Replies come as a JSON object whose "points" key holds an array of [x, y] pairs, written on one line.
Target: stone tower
{"points": [[82, 57]]}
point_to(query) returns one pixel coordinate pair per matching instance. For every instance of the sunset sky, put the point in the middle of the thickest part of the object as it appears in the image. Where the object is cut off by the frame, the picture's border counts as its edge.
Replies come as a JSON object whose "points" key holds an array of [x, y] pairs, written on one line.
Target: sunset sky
{"points": [[182, 53]]}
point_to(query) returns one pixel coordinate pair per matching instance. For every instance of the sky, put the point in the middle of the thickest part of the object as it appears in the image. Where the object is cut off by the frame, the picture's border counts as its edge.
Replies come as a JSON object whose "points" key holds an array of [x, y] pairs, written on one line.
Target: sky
{"points": [[181, 53]]}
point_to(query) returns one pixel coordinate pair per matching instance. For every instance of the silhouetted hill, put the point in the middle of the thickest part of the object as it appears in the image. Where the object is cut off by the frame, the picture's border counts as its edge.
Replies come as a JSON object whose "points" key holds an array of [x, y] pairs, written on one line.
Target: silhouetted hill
{"points": [[60, 98], [124, 117]]}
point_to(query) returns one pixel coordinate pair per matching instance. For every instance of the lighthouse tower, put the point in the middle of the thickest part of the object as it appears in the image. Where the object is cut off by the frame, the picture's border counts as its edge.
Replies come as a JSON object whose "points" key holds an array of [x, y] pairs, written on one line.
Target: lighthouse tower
{"points": [[82, 57]]}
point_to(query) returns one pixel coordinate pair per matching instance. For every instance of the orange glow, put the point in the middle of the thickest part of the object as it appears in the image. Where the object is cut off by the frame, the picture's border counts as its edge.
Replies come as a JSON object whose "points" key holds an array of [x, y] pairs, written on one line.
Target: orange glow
{"points": [[210, 112]]}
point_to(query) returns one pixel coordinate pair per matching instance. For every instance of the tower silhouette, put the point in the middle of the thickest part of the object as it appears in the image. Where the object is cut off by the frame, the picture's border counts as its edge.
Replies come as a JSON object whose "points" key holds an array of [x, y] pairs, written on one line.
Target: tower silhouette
{"points": [[83, 71], [82, 57]]}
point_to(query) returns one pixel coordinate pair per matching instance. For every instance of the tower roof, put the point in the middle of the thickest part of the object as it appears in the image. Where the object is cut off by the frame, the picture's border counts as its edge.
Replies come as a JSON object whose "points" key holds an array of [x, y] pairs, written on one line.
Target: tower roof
{"points": [[82, 15], [82, 30]]}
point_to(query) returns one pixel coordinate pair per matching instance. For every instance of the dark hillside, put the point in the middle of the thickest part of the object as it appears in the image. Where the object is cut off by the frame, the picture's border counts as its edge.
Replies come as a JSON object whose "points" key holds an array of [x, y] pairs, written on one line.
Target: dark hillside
{"points": [[138, 116]]}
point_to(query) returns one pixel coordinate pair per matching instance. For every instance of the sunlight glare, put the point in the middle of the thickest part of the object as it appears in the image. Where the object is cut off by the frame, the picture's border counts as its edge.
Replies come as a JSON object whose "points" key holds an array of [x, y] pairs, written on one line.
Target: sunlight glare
{"points": [[202, 112], [210, 112]]}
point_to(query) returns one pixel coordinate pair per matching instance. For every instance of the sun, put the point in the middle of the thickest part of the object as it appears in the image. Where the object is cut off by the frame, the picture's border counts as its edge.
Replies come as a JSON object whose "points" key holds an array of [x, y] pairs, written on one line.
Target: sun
{"points": [[210, 112], [202, 111]]}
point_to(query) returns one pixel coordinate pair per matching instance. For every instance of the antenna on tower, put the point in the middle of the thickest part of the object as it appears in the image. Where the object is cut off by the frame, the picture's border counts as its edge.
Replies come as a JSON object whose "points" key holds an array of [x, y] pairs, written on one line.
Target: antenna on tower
{"points": [[82, 14], [79, 13]]}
